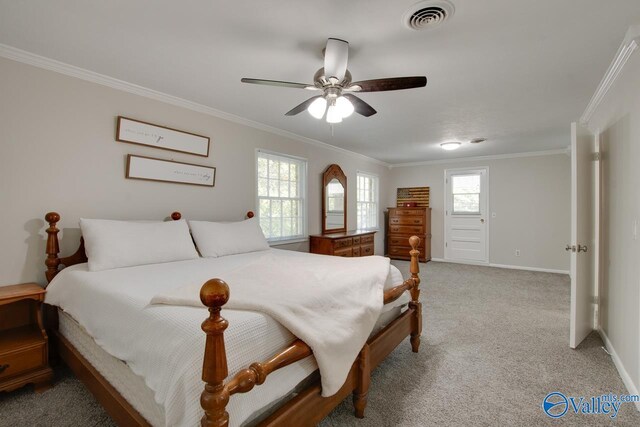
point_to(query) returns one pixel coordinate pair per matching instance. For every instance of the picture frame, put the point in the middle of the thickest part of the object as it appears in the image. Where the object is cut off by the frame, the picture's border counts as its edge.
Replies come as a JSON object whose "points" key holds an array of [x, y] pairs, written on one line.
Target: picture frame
{"points": [[137, 132], [160, 170]]}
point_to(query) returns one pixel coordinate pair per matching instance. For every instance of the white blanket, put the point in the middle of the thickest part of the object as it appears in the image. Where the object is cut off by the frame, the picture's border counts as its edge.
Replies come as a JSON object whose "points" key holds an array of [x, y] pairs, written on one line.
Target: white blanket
{"points": [[333, 308]]}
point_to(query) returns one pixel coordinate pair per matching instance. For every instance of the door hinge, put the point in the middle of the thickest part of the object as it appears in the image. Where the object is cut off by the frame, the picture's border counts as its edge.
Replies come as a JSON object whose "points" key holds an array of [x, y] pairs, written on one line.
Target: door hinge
{"points": [[446, 244], [596, 157]]}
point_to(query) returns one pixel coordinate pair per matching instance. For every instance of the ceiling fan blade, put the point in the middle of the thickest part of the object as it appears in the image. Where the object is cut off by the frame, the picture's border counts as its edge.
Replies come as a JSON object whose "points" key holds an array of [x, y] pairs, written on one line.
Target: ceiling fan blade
{"points": [[360, 106], [336, 55], [279, 83], [301, 107], [393, 83]]}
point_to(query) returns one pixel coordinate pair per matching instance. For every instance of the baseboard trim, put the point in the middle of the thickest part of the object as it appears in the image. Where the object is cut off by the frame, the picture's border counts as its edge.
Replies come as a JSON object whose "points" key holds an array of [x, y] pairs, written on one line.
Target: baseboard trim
{"points": [[626, 378], [505, 266]]}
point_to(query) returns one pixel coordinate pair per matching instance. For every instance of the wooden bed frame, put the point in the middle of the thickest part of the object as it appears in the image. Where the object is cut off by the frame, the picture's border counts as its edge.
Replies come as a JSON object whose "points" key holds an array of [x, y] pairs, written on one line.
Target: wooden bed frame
{"points": [[305, 409]]}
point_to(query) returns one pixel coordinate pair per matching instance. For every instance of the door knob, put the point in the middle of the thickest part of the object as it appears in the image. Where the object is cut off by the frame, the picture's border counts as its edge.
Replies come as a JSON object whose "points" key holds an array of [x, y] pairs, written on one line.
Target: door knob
{"points": [[482, 220], [570, 248], [582, 248]]}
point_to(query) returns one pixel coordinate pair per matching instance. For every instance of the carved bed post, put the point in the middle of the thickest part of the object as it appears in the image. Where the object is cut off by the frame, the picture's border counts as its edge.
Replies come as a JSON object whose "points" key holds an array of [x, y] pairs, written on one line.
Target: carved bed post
{"points": [[52, 262], [416, 324], [214, 294]]}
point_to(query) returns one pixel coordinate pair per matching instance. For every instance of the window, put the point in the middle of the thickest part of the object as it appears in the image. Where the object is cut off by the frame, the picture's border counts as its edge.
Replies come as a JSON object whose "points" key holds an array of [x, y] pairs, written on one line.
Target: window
{"points": [[466, 194], [367, 200], [281, 185]]}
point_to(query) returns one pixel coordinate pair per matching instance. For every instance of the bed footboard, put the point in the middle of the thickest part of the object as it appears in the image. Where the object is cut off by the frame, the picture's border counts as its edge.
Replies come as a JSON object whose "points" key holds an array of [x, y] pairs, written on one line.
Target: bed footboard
{"points": [[215, 293]]}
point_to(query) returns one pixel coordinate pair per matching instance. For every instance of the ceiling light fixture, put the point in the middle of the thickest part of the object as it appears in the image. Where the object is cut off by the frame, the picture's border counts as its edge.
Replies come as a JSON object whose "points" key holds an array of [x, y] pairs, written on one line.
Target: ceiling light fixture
{"points": [[450, 145], [336, 107], [317, 108], [477, 140]]}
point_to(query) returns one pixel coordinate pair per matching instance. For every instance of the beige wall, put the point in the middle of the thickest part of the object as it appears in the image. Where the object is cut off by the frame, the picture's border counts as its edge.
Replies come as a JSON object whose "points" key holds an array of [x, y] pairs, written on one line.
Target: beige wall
{"points": [[618, 121], [58, 152], [531, 199]]}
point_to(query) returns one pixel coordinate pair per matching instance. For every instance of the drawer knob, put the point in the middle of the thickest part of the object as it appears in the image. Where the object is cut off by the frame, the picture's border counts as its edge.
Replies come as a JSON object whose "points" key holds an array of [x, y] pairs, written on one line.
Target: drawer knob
{"points": [[3, 368]]}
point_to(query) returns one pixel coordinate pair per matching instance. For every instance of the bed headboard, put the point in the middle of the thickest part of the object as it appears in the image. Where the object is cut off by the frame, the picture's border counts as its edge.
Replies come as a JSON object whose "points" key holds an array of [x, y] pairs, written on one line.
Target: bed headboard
{"points": [[53, 261]]}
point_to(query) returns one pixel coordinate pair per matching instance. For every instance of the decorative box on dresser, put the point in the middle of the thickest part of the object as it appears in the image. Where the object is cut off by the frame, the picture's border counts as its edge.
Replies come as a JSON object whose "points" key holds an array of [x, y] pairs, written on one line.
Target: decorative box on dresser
{"points": [[349, 244], [24, 351], [403, 223]]}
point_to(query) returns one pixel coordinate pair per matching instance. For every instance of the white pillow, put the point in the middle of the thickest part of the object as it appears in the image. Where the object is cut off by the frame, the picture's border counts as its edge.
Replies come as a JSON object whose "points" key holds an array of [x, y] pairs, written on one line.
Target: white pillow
{"points": [[114, 244], [215, 239]]}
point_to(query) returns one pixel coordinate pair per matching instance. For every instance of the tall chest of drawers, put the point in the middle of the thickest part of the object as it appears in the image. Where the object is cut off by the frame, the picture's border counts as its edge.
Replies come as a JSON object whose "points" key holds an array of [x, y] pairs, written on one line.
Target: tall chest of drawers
{"points": [[403, 223]]}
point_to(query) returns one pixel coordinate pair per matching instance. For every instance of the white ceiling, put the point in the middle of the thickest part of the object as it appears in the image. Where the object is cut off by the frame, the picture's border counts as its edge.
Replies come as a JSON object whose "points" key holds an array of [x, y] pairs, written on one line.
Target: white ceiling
{"points": [[514, 71]]}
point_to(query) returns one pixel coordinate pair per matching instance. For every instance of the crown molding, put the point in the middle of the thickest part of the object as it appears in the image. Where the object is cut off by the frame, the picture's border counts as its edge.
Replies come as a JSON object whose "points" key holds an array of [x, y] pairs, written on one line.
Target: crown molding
{"points": [[39, 61], [483, 158], [628, 46]]}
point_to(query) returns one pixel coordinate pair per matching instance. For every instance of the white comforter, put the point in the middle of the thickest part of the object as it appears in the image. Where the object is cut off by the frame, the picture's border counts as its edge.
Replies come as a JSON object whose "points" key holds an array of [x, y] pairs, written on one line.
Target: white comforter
{"points": [[331, 307], [164, 344]]}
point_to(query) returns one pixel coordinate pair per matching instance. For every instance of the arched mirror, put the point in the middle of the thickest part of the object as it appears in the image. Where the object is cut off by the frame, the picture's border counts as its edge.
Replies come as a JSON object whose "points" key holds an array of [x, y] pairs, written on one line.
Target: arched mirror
{"points": [[334, 200]]}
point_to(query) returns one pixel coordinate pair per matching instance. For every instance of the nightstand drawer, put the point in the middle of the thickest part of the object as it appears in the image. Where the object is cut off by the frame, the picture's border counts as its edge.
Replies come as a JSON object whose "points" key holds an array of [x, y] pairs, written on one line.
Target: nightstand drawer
{"points": [[19, 361]]}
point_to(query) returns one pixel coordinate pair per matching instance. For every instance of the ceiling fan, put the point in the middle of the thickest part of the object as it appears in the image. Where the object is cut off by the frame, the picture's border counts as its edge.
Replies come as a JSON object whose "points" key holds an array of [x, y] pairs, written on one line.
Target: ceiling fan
{"points": [[334, 81]]}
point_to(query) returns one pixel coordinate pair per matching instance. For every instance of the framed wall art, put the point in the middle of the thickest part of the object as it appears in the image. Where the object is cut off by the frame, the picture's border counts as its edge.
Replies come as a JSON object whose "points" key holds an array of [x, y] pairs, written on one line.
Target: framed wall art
{"points": [[143, 133], [151, 169]]}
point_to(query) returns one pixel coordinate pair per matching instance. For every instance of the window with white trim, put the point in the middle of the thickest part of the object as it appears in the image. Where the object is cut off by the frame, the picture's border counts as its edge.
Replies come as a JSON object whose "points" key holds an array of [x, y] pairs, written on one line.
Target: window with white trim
{"points": [[367, 200], [281, 184]]}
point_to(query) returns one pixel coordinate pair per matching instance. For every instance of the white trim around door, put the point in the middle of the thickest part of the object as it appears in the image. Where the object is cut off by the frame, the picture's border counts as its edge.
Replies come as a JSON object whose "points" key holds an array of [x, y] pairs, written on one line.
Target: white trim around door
{"points": [[466, 220]]}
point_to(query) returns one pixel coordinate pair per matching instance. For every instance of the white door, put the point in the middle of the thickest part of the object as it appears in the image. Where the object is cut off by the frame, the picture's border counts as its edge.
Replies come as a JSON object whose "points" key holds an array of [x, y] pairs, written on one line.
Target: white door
{"points": [[582, 246], [466, 221]]}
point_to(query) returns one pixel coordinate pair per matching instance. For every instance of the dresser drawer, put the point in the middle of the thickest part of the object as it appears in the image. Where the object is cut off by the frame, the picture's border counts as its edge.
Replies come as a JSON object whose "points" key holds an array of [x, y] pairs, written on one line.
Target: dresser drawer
{"points": [[356, 241], [366, 239], [398, 251], [406, 220], [406, 229], [347, 252], [404, 241], [20, 361], [356, 250], [406, 212], [342, 243], [366, 250]]}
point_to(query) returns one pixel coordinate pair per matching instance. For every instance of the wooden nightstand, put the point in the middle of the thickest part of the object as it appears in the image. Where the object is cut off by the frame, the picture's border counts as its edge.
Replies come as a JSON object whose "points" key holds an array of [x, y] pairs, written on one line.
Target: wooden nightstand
{"points": [[24, 350]]}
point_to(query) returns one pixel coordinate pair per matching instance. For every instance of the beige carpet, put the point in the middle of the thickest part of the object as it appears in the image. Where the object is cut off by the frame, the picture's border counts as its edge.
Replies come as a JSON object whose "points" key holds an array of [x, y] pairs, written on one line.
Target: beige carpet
{"points": [[495, 343]]}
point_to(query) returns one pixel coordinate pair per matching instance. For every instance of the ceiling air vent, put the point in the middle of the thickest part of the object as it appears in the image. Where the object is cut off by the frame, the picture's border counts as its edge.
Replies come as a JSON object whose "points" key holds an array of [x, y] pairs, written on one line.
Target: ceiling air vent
{"points": [[427, 14]]}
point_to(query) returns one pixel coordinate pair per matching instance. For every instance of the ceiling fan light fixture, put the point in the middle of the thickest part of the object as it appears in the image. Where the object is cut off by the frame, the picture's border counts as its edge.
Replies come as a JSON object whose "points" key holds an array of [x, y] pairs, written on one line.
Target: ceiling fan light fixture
{"points": [[333, 114], [317, 108], [449, 146], [344, 106]]}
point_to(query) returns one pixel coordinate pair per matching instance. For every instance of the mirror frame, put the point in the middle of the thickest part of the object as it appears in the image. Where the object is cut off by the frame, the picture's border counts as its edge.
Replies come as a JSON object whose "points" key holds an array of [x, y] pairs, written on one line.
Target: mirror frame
{"points": [[333, 171]]}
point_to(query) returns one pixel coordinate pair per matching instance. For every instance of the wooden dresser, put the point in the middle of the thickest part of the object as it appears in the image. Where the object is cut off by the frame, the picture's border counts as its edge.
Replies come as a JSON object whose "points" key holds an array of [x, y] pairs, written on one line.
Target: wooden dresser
{"points": [[403, 223], [350, 243]]}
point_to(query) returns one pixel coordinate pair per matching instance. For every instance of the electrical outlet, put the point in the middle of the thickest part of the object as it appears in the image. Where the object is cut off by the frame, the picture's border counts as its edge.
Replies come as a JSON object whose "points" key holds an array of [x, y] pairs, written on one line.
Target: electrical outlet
{"points": [[517, 252], [634, 230]]}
